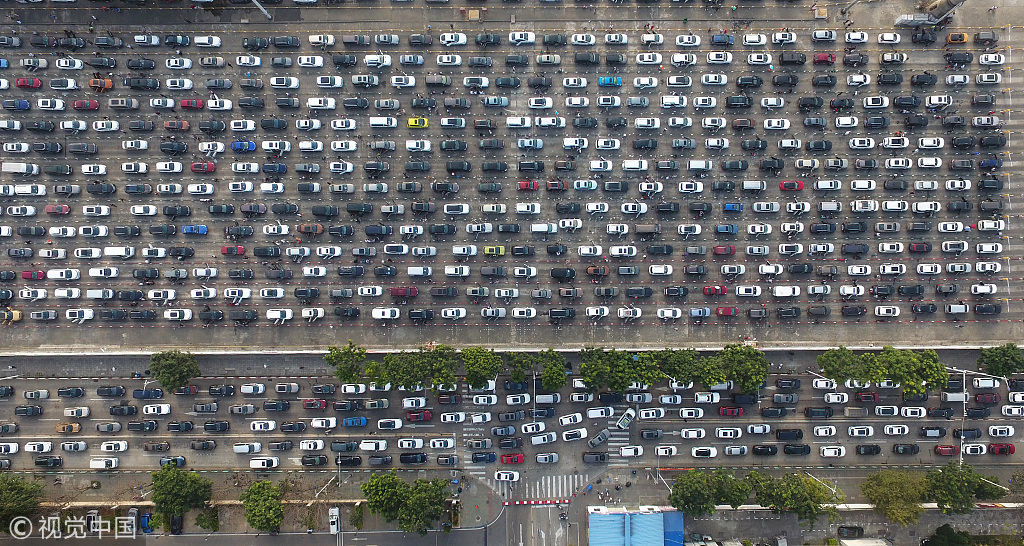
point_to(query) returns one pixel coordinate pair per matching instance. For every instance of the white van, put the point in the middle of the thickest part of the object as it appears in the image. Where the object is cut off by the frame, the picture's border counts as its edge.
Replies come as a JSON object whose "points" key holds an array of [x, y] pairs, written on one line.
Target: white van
{"points": [[517, 122], [754, 185], [387, 122], [546, 438], [419, 271], [553, 398], [830, 206], [701, 165], [99, 294], [954, 397], [264, 462], [543, 228], [103, 463], [247, 447], [123, 252], [634, 165]]}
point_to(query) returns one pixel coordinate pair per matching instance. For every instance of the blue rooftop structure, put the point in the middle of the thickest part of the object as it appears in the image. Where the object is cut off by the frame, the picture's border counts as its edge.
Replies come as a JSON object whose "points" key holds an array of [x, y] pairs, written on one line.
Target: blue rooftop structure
{"points": [[648, 527]]}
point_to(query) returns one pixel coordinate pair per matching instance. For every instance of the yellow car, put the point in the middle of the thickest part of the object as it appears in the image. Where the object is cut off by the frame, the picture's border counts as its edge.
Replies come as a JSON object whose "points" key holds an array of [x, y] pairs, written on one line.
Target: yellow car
{"points": [[66, 428], [494, 250], [957, 38], [417, 123]]}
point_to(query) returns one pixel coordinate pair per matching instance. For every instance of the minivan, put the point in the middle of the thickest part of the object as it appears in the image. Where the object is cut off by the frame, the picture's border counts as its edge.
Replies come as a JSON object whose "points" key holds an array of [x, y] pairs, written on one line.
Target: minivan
{"points": [[553, 398], [754, 185], [386, 122]]}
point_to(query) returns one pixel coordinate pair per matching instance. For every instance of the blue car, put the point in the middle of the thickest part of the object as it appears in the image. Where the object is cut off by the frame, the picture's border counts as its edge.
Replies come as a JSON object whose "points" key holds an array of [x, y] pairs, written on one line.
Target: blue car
{"points": [[242, 146], [733, 207], [722, 39], [700, 312], [144, 523], [279, 168], [4, 63], [16, 104], [353, 422], [990, 163], [147, 394], [609, 81], [194, 229], [731, 229]]}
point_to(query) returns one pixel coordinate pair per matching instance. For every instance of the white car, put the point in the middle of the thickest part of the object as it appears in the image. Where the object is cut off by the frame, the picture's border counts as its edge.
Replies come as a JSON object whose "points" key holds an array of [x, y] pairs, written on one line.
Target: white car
{"points": [[570, 419], [692, 433], [992, 59], [889, 38], [754, 40], [832, 451], [666, 451], [631, 451], [777, 124], [824, 431], [156, 409], [856, 37], [896, 430], [506, 476]]}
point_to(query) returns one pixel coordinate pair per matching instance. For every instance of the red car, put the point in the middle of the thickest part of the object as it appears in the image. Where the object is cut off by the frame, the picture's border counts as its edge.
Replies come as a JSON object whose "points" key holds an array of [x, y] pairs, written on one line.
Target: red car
{"points": [[824, 58], [414, 416], [314, 403], [727, 311], [204, 167], [1001, 449], [730, 411], [187, 390], [513, 458], [528, 185], [987, 398], [791, 185], [867, 397], [713, 290], [724, 250], [557, 185], [946, 451], [86, 104], [920, 247], [57, 209], [33, 275], [193, 104], [28, 83], [235, 250]]}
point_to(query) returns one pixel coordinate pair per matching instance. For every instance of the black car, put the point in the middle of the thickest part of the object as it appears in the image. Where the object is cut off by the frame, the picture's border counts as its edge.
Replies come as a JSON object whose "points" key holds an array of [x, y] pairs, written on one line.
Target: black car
{"points": [[785, 80], [110, 391], [123, 410], [923, 80], [890, 78], [180, 426], [869, 449], [855, 59], [70, 392], [823, 80], [765, 450]]}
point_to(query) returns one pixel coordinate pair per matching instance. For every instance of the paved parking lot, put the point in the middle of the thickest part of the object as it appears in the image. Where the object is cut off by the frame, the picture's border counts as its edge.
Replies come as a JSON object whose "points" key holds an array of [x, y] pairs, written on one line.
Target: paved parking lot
{"points": [[795, 259], [728, 439]]}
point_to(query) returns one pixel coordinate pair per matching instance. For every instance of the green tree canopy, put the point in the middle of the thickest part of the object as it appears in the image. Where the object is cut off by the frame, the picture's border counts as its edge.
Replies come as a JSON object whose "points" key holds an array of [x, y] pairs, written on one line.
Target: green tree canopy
{"points": [[595, 367], [19, 497], [947, 536], [553, 376], [685, 365], [644, 369], [693, 493], [915, 371], [427, 366], [173, 369], [1002, 360], [729, 489], [348, 361], [263, 507], [801, 495], [520, 364], [842, 364], [956, 487], [385, 494], [424, 505], [896, 494], [176, 491], [745, 365], [481, 365]]}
